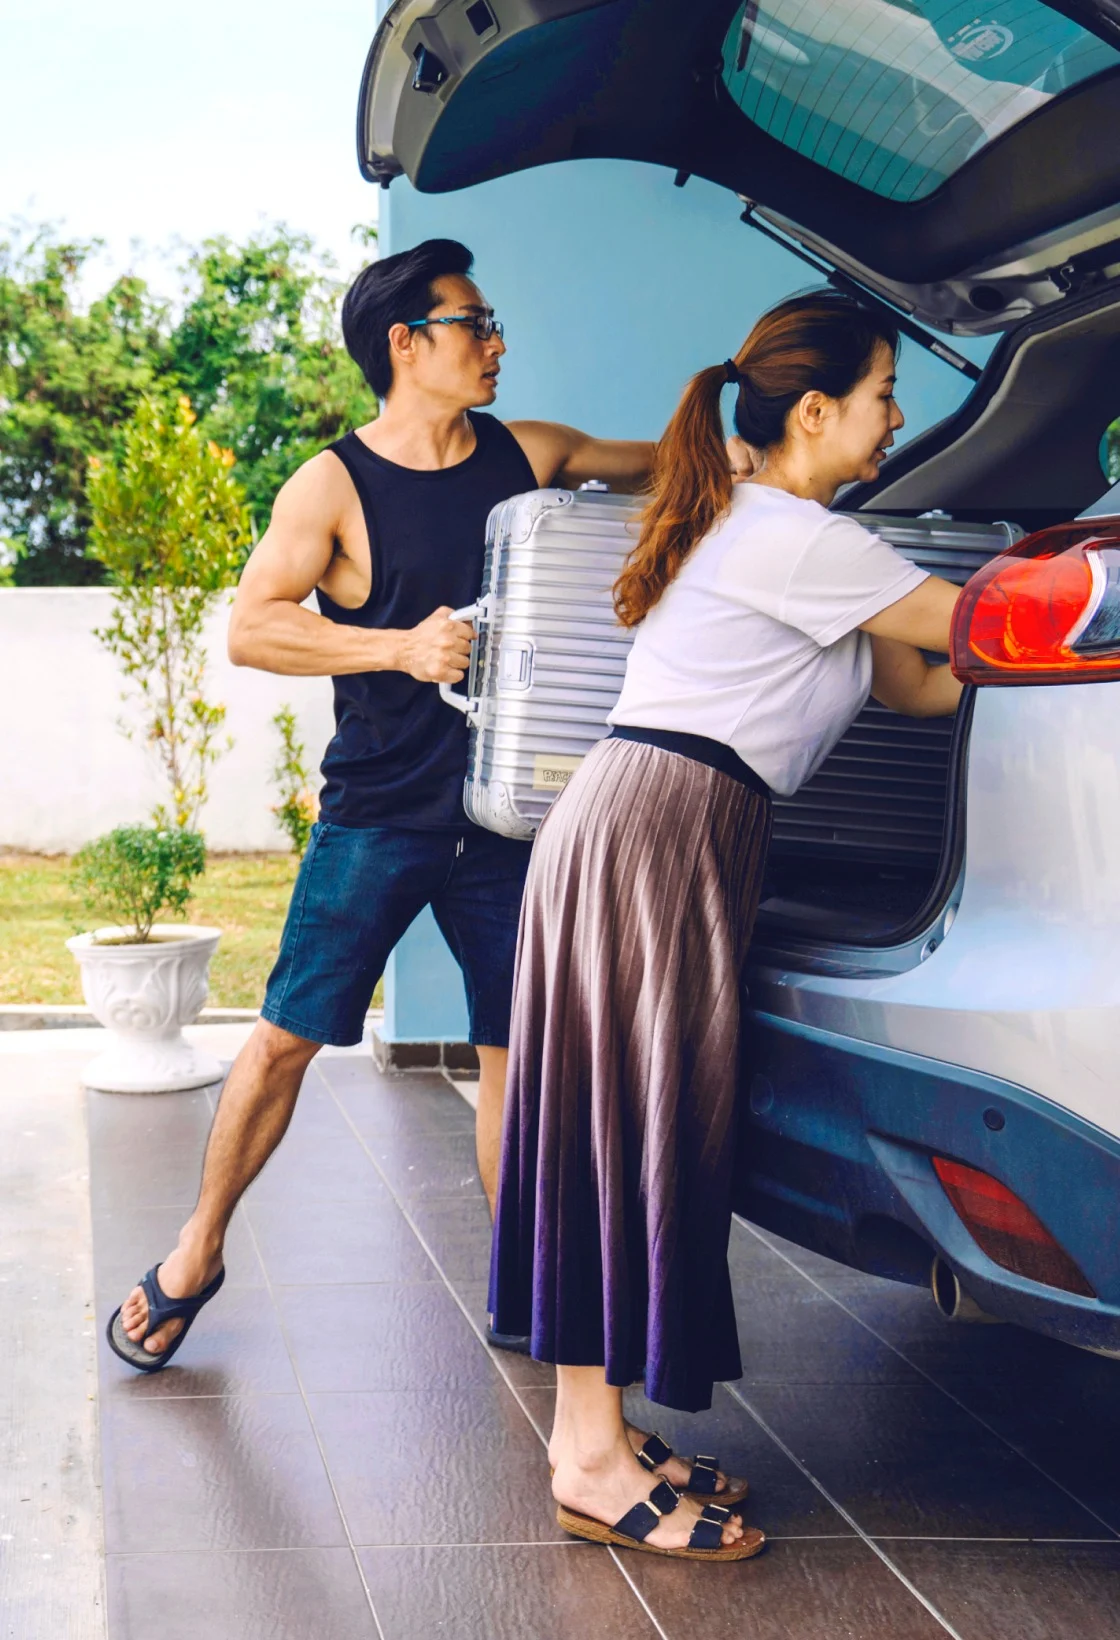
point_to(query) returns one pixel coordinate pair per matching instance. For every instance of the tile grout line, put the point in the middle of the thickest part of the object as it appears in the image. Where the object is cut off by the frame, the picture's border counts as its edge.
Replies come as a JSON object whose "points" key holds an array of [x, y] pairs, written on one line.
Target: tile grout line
{"points": [[497, 1365], [881, 1554], [241, 1208], [1113, 1536]]}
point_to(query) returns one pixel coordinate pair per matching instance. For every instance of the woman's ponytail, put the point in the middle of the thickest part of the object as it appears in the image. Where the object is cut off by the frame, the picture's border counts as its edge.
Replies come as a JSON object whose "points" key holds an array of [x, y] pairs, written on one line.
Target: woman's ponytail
{"points": [[821, 342], [691, 489]]}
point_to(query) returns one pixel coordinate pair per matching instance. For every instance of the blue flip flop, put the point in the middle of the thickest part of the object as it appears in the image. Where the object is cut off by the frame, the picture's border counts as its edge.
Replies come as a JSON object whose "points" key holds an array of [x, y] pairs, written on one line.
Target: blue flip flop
{"points": [[161, 1310]]}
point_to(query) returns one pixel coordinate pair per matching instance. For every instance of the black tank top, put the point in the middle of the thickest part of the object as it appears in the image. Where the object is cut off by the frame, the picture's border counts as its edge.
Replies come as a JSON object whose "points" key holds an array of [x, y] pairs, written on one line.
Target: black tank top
{"points": [[399, 753]]}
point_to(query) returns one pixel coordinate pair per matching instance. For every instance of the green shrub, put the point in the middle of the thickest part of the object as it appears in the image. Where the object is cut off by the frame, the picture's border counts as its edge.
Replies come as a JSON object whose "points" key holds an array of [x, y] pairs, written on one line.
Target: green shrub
{"points": [[168, 521], [133, 874], [298, 807]]}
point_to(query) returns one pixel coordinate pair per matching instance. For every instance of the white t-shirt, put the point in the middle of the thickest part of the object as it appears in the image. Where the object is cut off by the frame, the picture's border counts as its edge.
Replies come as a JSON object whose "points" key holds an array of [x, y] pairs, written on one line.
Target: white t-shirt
{"points": [[756, 642]]}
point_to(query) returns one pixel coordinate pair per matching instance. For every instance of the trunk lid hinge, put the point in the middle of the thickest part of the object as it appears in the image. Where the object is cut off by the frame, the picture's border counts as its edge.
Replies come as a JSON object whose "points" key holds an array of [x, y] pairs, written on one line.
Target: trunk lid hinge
{"points": [[860, 293]]}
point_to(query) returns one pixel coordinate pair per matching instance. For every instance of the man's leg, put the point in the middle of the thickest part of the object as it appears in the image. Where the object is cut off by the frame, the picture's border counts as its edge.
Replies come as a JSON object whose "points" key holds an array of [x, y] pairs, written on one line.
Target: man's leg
{"points": [[477, 911], [252, 1116], [488, 1118]]}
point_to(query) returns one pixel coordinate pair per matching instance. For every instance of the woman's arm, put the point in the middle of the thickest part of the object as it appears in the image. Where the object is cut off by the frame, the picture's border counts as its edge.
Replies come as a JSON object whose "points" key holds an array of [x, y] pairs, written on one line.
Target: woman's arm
{"points": [[903, 680]]}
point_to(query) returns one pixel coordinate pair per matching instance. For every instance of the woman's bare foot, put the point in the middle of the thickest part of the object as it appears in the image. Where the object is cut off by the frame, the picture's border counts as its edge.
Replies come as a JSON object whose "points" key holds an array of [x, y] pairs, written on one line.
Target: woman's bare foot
{"points": [[678, 1471], [183, 1273], [606, 1486]]}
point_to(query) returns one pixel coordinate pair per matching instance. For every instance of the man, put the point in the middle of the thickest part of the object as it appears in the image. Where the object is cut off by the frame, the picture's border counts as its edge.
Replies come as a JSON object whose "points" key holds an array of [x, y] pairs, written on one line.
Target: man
{"points": [[387, 527]]}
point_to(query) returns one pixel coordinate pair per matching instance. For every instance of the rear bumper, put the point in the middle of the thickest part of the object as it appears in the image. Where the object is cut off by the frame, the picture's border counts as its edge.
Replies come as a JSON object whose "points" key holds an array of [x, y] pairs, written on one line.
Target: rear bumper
{"points": [[835, 1154]]}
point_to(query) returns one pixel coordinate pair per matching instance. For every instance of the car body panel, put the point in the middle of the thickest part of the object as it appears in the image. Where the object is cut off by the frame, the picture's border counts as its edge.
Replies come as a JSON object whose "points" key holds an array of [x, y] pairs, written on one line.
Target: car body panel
{"points": [[1024, 983], [836, 1155], [566, 79]]}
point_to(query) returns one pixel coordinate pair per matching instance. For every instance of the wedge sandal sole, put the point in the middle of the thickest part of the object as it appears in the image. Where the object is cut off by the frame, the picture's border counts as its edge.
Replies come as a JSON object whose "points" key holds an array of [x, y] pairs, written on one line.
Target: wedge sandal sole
{"points": [[596, 1531]]}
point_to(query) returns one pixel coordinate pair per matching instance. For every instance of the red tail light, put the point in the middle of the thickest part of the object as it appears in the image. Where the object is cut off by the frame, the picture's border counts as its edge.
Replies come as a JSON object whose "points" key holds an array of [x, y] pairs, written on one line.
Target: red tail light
{"points": [[1006, 1229], [1045, 611]]}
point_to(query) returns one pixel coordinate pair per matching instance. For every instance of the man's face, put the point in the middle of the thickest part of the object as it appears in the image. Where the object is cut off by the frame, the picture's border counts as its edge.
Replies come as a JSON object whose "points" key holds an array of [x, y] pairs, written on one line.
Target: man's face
{"points": [[449, 361]]}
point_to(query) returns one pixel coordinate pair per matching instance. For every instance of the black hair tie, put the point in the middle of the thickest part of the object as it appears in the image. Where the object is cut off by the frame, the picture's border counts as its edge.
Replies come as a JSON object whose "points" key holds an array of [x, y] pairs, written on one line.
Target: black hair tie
{"points": [[731, 372]]}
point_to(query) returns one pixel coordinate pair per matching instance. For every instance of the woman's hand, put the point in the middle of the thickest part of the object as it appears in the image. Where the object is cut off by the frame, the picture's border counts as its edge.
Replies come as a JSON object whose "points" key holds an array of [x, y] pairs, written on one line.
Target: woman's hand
{"points": [[741, 457], [904, 681]]}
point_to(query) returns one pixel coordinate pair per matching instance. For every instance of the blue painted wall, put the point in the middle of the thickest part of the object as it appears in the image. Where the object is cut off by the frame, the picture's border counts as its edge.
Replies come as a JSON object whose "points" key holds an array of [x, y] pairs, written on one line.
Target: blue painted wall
{"points": [[614, 287]]}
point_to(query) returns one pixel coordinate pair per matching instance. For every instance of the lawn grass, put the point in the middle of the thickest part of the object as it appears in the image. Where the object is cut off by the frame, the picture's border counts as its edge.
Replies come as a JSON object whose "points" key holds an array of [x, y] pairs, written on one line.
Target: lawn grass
{"points": [[245, 895]]}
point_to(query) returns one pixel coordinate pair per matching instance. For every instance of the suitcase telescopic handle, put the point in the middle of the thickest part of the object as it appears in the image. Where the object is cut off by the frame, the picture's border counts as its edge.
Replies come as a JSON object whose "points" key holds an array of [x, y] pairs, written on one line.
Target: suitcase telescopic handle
{"points": [[467, 704]]}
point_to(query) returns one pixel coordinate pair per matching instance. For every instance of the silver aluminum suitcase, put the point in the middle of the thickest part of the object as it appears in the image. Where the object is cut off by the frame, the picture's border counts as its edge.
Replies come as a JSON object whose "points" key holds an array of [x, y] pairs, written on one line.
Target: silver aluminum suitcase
{"points": [[548, 662]]}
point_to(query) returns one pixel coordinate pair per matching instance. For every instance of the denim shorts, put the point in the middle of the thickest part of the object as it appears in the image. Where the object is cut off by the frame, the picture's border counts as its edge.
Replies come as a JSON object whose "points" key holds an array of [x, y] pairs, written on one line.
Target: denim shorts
{"points": [[358, 890]]}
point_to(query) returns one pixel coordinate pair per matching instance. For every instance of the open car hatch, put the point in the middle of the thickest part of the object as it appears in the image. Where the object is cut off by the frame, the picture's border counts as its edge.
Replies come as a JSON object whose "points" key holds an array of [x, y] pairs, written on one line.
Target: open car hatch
{"points": [[963, 163]]}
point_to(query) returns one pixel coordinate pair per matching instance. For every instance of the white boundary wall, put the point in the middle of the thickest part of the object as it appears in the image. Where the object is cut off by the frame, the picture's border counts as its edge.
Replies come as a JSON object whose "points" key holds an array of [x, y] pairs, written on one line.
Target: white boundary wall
{"points": [[67, 773]]}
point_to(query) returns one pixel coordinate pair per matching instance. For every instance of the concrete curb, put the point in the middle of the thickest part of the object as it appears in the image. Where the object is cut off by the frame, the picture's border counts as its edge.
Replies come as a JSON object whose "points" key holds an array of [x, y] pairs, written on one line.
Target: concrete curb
{"points": [[20, 1016]]}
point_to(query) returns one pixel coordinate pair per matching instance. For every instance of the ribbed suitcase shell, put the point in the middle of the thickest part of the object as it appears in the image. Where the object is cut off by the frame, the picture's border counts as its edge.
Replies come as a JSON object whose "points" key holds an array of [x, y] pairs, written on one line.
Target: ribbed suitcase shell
{"points": [[550, 656]]}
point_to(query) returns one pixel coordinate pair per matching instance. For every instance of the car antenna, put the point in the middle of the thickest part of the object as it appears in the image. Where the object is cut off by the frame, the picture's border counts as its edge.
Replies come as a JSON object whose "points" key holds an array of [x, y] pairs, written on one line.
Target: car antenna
{"points": [[851, 287]]}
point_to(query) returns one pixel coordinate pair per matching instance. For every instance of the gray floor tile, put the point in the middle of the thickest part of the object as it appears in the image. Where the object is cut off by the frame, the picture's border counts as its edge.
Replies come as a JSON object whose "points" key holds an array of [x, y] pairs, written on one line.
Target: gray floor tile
{"points": [[909, 1461], [235, 1347], [1070, 1429], [315, 1168], [236, 1473], [909, 1320], [459, 1233], [545, 1592], [131, 1241], [451, 1467], [519, 1369], [1019, 1591], [414, 1104], [296, 1595], [381, 1337], [328, 1242], [792, 1333], [153, 1159], [428, 1164], [826, 1589], [317, 1114], [145, 1122]]}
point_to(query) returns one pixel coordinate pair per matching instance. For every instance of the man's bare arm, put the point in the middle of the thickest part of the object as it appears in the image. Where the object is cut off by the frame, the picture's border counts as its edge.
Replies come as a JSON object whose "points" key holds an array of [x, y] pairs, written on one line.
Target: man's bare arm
{"points": [[270, 630], [564, 455]]}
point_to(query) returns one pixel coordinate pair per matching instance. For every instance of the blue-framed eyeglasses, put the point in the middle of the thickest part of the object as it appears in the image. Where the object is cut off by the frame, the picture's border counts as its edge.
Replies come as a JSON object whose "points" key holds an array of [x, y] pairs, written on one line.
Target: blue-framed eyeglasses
{"points": [[485, 325]]}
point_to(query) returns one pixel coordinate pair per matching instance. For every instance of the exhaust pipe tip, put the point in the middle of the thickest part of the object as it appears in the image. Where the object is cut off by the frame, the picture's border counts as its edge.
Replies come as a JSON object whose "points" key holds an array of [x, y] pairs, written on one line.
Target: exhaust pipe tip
{"points": [[951, 1299]]}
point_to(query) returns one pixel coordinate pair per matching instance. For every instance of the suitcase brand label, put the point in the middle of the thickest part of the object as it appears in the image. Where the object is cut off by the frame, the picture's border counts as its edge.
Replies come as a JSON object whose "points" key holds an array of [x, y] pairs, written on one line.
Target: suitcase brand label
{"points": [[551, 772]]}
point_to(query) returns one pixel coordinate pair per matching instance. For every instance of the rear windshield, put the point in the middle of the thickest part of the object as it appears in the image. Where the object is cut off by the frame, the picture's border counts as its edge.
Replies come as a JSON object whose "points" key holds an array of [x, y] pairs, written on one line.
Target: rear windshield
{"points": [[896, 95]]}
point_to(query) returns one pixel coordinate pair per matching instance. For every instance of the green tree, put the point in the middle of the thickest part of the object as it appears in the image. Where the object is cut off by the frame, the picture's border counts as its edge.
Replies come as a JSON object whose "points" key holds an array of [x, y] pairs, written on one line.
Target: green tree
{"points": [[256, 347], [170, 525], [67, 378], [258, 352]]}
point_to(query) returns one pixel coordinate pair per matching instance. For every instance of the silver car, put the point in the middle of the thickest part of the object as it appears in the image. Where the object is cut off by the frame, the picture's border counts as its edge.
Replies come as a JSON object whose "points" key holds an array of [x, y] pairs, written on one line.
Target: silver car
{"points": [[934, 1081]]}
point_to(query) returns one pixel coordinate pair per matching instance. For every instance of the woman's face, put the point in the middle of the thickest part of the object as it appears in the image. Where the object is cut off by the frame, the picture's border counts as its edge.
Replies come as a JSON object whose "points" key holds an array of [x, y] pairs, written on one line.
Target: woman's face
{"points": [[856, 440]]}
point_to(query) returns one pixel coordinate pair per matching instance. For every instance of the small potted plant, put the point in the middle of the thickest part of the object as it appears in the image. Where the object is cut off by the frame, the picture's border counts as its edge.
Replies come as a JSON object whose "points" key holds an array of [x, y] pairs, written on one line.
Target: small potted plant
{"points": [[143, 979]]}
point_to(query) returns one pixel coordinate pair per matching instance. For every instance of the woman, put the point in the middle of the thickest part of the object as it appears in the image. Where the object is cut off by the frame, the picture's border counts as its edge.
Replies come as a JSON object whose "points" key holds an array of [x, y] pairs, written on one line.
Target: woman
{"points": [[763, 622]]}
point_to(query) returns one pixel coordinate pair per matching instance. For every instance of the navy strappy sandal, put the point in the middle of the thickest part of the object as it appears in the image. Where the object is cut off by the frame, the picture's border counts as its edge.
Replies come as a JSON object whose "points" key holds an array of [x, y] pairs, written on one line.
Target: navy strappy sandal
{"points": [[705, 1541], [161, 1310], [704, 1478]]}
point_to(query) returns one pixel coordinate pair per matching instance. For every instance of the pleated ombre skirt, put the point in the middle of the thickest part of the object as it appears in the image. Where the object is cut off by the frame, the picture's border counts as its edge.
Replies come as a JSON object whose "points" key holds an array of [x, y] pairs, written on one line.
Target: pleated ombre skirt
{"points": [[614, 1208]]}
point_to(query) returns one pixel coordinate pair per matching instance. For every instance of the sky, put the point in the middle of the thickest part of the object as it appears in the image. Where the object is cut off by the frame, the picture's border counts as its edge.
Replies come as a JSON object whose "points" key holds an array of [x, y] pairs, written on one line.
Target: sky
{"points": [[142, 124]]}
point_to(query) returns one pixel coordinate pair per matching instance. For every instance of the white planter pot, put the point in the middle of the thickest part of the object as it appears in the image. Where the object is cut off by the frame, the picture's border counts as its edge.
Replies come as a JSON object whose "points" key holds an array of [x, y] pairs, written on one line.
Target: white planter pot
{"points": [[144, 994]]}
